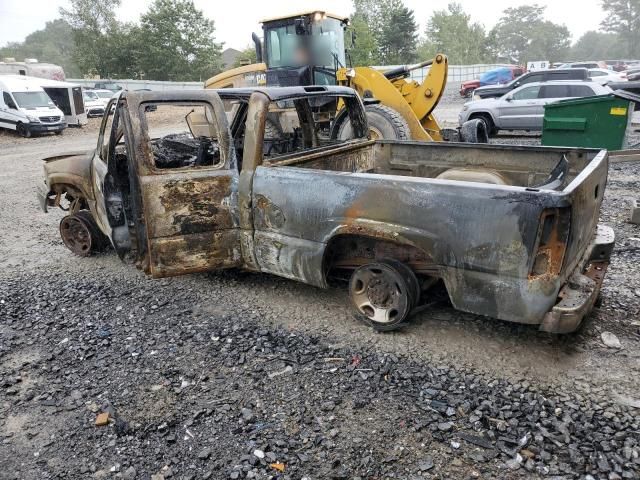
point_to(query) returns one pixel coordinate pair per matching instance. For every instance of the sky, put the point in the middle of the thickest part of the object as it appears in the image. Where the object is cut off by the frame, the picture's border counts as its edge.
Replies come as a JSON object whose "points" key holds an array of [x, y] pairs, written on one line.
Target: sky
{"points": [[235, 20]]}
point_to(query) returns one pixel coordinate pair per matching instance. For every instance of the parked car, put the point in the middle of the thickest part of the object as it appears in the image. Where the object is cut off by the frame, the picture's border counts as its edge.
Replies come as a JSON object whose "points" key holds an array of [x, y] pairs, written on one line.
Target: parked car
{"points": [[589, 64], [93, 104], [629, 86], [523, 108], [604, 76], [616, 65], [107, 85], [633, 73], [495, 91], [104, 96], [26, 108], [492, 77], [510, 232]]}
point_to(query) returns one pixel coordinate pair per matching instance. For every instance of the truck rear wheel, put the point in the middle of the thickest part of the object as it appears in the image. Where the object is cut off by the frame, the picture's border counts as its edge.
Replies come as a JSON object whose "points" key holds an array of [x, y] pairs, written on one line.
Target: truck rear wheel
{"points": [[384, 124], [81, 235], [383, 294]]}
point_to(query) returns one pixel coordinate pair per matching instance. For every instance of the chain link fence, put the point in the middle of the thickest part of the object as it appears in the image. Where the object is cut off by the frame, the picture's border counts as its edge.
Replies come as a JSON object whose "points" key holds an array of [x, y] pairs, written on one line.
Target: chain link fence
{"points": [[154, 85], [457, 74]]}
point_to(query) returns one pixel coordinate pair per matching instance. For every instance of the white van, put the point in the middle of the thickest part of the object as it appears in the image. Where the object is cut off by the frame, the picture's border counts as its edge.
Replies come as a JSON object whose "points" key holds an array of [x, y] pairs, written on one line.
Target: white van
{"points": [[26, 108]]}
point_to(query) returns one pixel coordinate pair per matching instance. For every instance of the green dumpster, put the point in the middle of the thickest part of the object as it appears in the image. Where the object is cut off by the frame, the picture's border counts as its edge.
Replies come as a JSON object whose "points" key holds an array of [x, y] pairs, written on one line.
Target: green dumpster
{"points": [[597, 122]]}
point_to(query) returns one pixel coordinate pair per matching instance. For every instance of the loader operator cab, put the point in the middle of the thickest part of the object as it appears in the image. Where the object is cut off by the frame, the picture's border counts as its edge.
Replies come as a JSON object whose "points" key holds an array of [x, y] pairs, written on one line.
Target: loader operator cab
{"points": [[302, 50]]}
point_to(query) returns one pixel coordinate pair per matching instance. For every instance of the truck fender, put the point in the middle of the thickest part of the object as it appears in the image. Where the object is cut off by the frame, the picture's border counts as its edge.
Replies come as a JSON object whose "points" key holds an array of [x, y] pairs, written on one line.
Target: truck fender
{"points": [[68, 173]]}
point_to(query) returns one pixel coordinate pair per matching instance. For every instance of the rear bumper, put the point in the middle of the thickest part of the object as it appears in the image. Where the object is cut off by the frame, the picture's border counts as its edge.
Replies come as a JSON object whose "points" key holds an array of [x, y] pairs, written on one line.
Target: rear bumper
{"points": [[577, 297]]}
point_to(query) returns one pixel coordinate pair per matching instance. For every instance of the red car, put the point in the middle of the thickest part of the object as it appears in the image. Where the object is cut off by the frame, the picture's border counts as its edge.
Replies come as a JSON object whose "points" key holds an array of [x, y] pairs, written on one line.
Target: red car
{"points": [[492, 77]]}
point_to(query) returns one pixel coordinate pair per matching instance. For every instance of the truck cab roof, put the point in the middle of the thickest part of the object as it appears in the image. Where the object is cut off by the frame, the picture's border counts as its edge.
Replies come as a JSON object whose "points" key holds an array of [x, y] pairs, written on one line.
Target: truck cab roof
{"points": [[272, 93]]}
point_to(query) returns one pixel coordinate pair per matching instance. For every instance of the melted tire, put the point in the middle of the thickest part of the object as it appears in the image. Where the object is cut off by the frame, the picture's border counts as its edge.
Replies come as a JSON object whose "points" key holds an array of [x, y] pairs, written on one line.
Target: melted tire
{"points": [[474, 131]]}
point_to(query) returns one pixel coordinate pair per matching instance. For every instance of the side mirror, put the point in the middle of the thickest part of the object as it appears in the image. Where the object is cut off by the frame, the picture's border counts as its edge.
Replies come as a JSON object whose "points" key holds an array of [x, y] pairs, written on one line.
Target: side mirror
{"points": [[301, 26], [509, 98]]}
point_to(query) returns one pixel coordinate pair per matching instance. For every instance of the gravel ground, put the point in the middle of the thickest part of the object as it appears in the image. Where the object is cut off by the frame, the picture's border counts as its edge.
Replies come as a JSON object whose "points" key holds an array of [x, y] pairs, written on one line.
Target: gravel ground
{"points": [[237, 375]]}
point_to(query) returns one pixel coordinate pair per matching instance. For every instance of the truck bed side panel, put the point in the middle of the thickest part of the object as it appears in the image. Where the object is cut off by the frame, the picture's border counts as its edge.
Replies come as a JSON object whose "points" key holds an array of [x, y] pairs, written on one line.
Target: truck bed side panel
{"points": [[479, 237]]}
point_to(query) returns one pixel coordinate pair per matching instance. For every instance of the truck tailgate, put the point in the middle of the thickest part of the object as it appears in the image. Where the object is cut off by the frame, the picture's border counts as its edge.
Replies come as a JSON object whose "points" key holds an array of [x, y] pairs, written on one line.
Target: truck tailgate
{"points": [[585, 194]]}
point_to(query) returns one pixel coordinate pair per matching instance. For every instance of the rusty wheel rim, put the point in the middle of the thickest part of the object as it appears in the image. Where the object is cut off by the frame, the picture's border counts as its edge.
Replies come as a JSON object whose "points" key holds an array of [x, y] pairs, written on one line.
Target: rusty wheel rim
{"points": [[76, 235], [380, 293]]}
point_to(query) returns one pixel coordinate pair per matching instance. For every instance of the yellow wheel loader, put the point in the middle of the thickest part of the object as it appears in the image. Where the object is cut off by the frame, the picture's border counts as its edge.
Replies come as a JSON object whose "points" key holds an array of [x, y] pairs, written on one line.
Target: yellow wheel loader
{"points": [[308, 49]]}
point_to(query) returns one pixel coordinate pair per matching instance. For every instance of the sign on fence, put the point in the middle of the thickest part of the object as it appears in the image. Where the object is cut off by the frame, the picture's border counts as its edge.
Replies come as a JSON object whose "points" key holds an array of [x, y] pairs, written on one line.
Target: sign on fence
{"points": [[537, 65]]}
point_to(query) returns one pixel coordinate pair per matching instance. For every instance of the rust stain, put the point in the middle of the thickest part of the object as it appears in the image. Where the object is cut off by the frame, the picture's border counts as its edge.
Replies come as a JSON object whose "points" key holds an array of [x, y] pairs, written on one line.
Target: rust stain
{"points": [[550, 254], [195, 253], [362, 247], [268, 215]]}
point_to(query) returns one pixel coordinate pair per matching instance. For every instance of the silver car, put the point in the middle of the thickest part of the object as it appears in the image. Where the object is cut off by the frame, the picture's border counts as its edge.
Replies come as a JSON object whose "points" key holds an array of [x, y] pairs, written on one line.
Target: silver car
{"points": [[523, 107]]}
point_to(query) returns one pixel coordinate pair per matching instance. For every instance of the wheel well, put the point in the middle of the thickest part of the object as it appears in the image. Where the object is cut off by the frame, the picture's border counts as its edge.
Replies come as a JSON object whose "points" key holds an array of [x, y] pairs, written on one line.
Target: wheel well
{"points": [[484, 116], [71, 194], [347, 252]]}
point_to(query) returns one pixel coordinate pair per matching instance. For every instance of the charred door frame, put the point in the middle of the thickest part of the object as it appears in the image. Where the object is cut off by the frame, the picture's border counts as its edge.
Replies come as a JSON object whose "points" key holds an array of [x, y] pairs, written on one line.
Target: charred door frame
{"points": [[188, 216]]}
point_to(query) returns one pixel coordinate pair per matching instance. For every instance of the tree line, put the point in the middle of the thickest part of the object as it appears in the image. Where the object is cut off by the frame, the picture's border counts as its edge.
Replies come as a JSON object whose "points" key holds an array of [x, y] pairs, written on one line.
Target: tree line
{"points": [[172, 41], [387, 33], [175, 41]]}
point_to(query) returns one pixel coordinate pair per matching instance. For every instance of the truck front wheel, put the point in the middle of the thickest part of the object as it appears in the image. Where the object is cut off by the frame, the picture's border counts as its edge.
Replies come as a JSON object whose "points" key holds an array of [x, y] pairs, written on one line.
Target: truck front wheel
{"points": [[383, 294], [81, 234]]}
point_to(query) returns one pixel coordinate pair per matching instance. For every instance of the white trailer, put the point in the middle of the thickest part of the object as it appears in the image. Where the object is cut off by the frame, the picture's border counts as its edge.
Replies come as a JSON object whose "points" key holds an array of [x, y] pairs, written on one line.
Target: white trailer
{"points": [[68, 98], [32, 68]]}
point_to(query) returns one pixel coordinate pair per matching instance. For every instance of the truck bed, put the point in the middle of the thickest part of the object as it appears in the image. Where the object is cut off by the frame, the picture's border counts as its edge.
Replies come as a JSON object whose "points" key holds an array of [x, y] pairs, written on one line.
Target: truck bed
{"points": [[496, 164]]}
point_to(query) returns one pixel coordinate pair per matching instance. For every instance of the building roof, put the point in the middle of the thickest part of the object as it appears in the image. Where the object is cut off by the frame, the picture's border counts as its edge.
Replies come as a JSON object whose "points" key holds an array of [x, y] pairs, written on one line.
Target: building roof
{"points": [[229, 56]]}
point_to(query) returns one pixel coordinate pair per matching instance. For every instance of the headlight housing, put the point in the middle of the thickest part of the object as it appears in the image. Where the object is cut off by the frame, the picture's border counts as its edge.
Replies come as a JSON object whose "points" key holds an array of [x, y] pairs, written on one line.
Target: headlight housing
{"points": [[33, 119]]}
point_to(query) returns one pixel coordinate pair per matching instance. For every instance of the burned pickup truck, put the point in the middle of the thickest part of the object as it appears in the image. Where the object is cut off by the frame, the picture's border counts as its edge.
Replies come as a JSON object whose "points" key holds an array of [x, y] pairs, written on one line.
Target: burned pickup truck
{"points": [[191, 181]]}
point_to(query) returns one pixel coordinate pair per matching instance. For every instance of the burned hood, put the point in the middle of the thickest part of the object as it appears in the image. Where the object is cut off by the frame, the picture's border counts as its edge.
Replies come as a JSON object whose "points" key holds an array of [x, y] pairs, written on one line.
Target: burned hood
{"points": [[71, 154]]}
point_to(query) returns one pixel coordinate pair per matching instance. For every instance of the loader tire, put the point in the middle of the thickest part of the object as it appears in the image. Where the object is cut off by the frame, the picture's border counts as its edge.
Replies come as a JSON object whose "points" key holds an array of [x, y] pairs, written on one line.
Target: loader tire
{"points": [[474, 131], [384, 124]]}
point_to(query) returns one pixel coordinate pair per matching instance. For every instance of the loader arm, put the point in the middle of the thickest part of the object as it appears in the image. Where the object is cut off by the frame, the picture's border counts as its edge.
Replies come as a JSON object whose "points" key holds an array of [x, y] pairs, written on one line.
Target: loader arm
{"points": [[245, 76], [414, 101]]}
